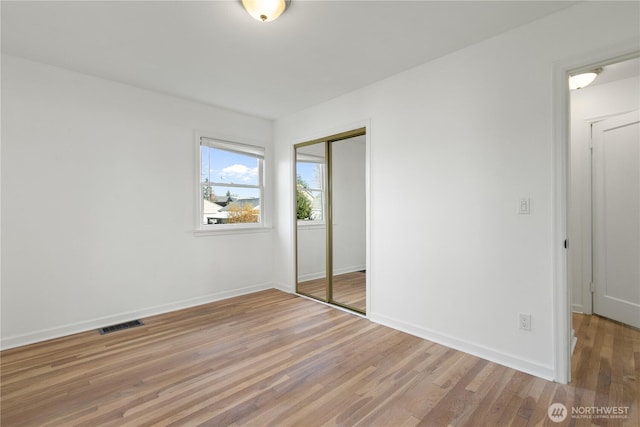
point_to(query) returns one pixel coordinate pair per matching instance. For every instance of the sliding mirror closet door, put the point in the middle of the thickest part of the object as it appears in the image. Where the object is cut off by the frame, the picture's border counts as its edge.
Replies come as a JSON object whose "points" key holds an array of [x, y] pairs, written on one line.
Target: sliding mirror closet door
{"points": [[348, 219], [331, 219], [311, 230]]}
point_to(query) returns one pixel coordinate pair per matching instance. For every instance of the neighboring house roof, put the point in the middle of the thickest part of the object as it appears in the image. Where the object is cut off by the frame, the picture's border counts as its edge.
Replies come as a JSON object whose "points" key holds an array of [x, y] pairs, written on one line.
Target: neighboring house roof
{"points": [[222, 200], [254, 202], [222, 213], [210, 207]]}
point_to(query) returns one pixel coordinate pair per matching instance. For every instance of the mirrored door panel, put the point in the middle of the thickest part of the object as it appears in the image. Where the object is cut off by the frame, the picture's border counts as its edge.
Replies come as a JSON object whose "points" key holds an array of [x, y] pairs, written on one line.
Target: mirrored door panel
{"points": [[348, 218], [311, 230], [330, 211]]}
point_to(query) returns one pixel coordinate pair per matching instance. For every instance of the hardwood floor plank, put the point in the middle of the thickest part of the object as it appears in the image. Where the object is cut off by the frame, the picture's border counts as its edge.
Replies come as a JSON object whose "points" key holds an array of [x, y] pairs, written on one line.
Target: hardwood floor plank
{"points": [[457, 401], [348, 289], [486, 406], [272, 358], [482, 376]]}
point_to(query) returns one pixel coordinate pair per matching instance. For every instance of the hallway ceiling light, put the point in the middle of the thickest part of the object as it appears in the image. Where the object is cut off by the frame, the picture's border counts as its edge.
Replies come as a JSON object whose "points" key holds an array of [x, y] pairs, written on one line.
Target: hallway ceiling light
{"points": [[579, 81], [265, 10]]}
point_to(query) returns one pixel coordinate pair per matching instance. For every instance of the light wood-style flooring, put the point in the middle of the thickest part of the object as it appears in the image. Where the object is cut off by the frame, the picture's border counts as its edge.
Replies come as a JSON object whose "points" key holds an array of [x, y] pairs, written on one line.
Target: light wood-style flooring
{"points": [[349, 289], [275, 359]]}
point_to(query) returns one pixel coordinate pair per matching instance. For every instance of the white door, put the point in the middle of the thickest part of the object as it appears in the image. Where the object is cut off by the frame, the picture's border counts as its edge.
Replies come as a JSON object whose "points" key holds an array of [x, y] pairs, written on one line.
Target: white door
{"points": [[616, 218]]}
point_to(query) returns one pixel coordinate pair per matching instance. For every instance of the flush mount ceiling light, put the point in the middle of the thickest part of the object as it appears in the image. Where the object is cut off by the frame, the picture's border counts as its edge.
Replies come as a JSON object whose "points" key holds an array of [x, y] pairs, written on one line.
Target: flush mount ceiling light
{"points": [[578, 81], [265, 10]]}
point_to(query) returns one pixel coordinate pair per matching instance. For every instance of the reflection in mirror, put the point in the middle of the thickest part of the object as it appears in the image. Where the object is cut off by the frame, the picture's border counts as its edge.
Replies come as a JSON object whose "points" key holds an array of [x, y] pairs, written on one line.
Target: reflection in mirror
{"points": [[311, 234], [348, 213]]}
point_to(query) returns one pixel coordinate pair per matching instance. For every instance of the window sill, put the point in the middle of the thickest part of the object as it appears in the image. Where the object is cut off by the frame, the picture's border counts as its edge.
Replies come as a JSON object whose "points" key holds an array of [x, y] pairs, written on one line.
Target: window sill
{"points": [[230, 230]]}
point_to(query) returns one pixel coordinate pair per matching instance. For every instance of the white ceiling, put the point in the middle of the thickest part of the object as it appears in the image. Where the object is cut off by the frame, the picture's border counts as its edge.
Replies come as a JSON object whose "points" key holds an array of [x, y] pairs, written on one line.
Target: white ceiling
{"points": [[215, 53]]}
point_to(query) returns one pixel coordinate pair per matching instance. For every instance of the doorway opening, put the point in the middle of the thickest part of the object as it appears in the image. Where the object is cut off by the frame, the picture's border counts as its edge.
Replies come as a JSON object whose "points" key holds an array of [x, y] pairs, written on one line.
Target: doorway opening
{"points": [[603, 207]]}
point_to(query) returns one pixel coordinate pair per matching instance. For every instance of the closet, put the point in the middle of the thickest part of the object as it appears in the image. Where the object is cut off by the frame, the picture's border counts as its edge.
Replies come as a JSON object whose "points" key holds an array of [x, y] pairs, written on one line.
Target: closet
{"points": [[330, 211]]}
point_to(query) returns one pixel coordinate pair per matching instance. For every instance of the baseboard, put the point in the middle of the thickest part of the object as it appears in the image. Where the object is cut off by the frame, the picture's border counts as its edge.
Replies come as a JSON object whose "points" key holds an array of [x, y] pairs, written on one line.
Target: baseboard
{"points": [[483, 352], [577, 308], [312, 276], [74, 328], [336, 271], [351, 269]]}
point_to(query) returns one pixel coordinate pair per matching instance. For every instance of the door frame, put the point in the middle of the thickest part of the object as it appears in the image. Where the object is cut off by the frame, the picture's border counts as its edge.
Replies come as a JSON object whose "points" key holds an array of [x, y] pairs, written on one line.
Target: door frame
{"points": [[561, 121], [324, 135]]}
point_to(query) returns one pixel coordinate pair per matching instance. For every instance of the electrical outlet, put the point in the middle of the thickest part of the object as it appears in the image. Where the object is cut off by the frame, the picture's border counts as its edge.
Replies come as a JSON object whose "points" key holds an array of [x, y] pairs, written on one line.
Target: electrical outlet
{"points": [[524, 321]]}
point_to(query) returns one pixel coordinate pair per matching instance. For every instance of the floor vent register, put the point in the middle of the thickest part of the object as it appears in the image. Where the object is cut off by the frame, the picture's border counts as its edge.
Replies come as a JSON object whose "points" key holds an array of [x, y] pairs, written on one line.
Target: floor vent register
{"points": [[120, 327]]}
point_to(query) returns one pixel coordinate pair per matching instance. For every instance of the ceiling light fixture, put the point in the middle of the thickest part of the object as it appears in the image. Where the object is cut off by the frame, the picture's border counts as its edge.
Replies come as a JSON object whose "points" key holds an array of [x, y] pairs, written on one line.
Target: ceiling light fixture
{"points": [[579, 81], [265, 10]]}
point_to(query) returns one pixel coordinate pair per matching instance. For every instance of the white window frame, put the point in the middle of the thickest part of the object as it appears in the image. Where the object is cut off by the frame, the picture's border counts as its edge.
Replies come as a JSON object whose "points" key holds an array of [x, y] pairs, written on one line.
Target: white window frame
{"points": [[228, 144], [308, 158]]}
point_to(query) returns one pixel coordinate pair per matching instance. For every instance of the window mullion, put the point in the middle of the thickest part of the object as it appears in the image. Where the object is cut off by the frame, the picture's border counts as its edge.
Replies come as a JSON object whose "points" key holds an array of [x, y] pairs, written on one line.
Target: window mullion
{"points": [[225, 184]]}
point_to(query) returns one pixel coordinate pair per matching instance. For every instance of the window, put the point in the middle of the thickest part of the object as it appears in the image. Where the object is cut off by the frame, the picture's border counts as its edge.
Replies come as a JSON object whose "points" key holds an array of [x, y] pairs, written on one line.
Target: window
{"points": [[310, 187], [231, 183]]}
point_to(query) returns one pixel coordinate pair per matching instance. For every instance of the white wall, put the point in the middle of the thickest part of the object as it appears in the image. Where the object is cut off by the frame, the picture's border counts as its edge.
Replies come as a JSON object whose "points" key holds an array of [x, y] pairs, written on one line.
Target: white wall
{"points": [[312, 251], [588, 104], [98, 204], [464, 137], [349, 205]]}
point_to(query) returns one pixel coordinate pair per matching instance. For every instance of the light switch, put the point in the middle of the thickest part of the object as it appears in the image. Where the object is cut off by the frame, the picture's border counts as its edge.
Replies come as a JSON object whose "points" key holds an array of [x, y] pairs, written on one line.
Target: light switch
{"points": [[525, 206]]}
